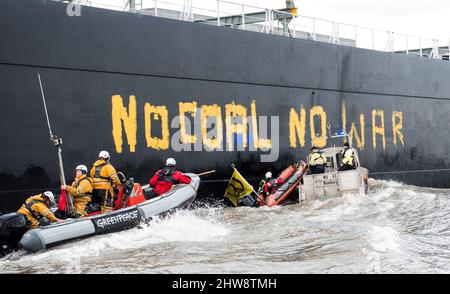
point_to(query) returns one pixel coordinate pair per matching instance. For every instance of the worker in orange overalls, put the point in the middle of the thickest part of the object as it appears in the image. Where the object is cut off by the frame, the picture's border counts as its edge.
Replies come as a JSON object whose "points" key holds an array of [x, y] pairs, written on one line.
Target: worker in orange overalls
{"points": [[37, 211], [80, 190], [104, 176]]}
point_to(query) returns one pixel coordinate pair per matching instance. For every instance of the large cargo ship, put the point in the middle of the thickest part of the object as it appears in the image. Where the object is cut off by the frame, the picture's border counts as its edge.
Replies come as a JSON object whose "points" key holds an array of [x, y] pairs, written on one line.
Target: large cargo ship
{"points": [[118, 81]]}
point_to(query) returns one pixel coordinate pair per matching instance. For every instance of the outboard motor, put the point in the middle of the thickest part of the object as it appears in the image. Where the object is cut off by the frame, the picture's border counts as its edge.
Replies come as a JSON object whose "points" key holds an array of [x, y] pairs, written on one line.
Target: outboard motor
{"points": [[248, 201], [127, 190], [128, 186], [12, 227], [121, 177]]}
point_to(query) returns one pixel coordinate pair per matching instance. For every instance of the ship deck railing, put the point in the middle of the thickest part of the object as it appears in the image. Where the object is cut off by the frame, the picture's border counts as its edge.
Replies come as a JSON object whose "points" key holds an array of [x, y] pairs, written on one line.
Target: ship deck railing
{"points": [[283, 22]]}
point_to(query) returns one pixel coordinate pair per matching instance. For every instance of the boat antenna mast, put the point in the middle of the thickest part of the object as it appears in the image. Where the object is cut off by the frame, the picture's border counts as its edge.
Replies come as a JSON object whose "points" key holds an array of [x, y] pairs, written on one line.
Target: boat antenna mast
{"points": [[341, 134], [57, 142]]}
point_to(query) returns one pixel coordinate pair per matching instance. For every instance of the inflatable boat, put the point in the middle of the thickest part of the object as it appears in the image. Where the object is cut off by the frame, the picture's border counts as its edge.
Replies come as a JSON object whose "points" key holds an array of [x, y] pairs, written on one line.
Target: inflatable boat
{"points": [[131, 209], [292, 176]]}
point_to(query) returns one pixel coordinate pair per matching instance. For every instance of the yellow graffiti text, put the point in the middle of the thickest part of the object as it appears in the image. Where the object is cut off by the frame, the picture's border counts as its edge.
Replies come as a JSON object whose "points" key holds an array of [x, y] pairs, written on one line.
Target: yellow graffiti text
{"points": [[258, 142], [190, 107], [297, 126], [233, 110], [353, 133], [321, 140], [212, 111], [397, 125], [378, 130], [159, 113], [119, 115]]}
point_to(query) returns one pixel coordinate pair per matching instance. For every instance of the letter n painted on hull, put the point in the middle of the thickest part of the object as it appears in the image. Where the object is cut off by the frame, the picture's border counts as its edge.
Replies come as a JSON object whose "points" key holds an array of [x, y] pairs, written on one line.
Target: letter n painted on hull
{"points": [[119, 114], [297, 126]]}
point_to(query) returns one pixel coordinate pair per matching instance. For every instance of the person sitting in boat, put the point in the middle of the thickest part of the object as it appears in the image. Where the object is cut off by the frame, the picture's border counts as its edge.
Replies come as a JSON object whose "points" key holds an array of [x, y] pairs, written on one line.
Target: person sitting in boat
{"points": [[104, 176], [317, 161], [36, 210], [269, 185], [80, 190], [165, 178], [348, 158]]}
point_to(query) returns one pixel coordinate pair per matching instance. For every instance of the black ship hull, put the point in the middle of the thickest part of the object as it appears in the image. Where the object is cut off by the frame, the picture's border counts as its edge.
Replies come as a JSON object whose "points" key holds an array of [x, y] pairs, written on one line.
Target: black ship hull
{"points": [[100, 68]]}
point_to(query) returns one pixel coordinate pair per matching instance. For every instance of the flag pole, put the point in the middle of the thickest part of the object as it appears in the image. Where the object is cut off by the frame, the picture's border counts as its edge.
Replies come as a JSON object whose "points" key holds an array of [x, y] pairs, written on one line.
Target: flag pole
{"points": [[257, 195]]}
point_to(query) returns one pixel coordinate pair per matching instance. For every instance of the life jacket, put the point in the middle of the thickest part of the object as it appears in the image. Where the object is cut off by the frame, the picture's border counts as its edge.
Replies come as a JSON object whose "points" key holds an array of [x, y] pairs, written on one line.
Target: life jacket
{"points": [[29, 206], [98, 168], [77, 184], [261, 186], [164, 179], [104, 175], [316, 158], [33, 216], [271, 185], [166, 175], [348, 156]]}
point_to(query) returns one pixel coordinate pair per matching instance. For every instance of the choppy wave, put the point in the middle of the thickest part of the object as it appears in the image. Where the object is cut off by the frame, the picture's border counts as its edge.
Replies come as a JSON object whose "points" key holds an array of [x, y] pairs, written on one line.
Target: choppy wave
{"points": [[397, 228]]}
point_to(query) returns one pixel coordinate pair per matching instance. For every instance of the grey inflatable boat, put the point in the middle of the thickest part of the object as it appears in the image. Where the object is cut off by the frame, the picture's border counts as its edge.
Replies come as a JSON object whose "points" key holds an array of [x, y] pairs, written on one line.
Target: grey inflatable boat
{"points": [[44, 237]]}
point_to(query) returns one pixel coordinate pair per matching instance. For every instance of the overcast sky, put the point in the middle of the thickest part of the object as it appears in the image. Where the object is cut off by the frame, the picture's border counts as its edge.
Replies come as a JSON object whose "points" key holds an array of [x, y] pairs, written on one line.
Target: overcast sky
{"points": [[430, 18]]}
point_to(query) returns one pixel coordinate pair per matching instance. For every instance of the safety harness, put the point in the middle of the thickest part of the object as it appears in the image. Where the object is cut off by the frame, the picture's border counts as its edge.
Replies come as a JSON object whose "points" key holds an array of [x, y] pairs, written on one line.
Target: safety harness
{"points": [[166, 175], [321, 156], [98, 168], [78, 184], [263, 184], [347, 159], [29, 207]]}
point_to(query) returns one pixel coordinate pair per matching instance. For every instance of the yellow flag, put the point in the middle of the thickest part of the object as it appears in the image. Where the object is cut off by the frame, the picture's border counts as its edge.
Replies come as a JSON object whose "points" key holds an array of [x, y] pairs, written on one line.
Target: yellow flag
{"points": [[237, 188]]}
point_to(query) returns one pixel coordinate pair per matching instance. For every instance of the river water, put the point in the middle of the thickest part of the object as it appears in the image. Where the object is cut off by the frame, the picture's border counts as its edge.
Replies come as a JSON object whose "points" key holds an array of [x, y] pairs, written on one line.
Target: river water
{"points": [[397, 228]]}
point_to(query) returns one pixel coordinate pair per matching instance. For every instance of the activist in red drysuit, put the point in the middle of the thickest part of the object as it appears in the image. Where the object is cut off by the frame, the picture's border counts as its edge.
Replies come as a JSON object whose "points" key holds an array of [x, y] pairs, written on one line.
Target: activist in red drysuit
{"points": [[165, 178], [271, 185]]}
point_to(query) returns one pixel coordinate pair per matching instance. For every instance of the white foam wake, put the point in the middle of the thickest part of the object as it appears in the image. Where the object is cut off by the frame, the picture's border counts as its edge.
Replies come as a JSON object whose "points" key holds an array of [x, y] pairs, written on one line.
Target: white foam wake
{"points": [[182, 226]]}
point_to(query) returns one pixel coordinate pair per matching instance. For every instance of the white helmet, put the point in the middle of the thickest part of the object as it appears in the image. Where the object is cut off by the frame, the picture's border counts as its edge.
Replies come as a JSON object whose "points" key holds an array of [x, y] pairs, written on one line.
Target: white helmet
{"points": [[82, 167], [104, 155], [170, 162], [268, 175], [49, 195]]}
